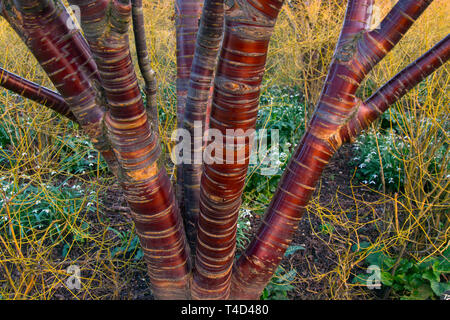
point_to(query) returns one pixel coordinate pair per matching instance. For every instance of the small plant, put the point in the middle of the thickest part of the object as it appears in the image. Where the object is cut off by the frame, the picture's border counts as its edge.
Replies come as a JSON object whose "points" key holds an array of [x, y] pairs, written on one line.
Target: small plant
{"points": [[30, 209], [242, 228], [367, 161], [408, 279], [129, 248], [78, 156], [326, 228], [281, 283]]}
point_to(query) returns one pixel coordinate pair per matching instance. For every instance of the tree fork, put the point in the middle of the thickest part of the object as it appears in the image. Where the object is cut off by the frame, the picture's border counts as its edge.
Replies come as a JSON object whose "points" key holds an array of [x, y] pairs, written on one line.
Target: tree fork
{"points": [[66, 59], [248, 27], [357, 52], [143, 178], [395, 89]]}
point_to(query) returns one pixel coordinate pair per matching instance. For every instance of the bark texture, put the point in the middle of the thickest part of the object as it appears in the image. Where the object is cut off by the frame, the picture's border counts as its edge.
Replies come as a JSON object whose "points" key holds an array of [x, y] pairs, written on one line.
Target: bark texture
{"points": [[357, 52], [146, 184], [144, 62], [36, 93], [209, 39], [97, 87], [187, 15], [248, 27]]}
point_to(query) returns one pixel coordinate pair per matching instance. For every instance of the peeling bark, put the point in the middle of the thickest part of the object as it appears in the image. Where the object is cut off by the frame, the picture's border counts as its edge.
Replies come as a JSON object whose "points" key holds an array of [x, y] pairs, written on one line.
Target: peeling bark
{"points": [[209, 39], [248, 27], [144, 179], [357, 52], [97, 86], [187, 15], [36, 93]]}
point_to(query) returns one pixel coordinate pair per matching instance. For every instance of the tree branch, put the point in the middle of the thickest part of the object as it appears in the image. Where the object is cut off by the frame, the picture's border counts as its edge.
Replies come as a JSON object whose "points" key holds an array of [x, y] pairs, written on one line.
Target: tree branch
{"points": [[376, 44], [355, 55], [237, 84], [187, 14], [209, 39], [143, 177], [396, 88], [144, 62], [64, 55], [36, 93]]}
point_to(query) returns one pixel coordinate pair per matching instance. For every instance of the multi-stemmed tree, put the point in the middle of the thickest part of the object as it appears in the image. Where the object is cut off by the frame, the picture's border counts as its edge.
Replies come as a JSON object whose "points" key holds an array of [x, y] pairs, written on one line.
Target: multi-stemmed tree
{"points": [[188, 231]]}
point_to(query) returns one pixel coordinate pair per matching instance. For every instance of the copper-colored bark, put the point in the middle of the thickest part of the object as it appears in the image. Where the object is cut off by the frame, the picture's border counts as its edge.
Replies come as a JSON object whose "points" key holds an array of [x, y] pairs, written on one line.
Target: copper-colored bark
{"points": [[248, 27], [144, 62], [187, 15], [146, 184], [357, 51], [97, 85], [36, 93], [209, 38], [65, 57]]}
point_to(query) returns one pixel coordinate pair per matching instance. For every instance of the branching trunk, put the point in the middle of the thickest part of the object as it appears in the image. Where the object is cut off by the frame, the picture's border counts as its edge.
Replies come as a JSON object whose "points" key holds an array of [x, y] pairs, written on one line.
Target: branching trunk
{"points": [[97, 87], [357, 52], [235, 106], [65, 57], [146, 184]]}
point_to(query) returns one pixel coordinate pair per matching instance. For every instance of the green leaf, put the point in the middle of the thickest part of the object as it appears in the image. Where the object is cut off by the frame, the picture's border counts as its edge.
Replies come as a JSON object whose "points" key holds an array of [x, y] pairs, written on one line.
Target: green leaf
{"points": [[362, 245], [293, 249], [386, 278], [431, 275], [443, 266], [374, 258], [440, 287], [360, 278], [422, 293]]}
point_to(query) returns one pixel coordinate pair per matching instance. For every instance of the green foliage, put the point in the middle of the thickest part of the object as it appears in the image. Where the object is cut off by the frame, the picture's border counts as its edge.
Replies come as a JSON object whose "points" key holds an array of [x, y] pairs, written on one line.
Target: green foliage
{"points": [[281, 109], [326, 228], [78, 156], [279, 285], [129, 247], [395, 150], [281, 282], [367, 161], [243, 225], [408, 279], [35, 209]]}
